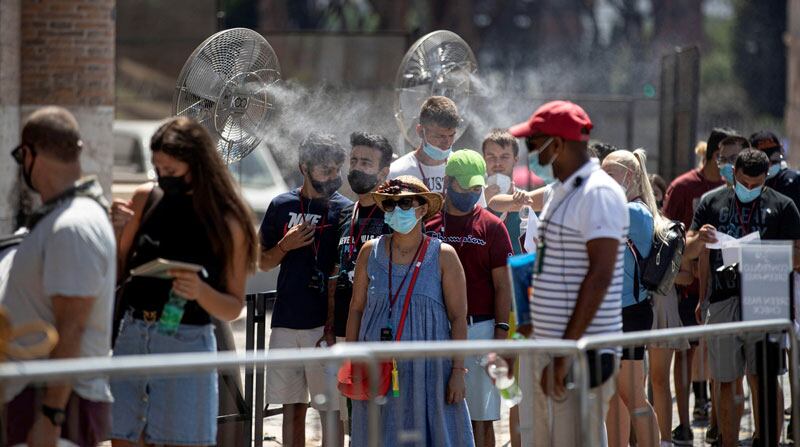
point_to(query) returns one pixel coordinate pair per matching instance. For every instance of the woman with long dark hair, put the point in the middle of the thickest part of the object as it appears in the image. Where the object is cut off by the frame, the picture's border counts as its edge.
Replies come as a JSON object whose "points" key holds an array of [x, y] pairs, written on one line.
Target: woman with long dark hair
{"points": [[194, 215]]}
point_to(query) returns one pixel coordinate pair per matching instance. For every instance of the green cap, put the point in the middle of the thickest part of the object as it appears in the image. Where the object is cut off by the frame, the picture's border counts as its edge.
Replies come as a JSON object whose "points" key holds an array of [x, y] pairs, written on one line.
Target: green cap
{"points": [[468, 167]]}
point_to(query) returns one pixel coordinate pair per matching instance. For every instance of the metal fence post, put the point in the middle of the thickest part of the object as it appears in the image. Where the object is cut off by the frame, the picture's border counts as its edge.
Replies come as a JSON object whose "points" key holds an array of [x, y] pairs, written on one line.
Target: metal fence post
{"points": [[260, 318], [794, 375], [250, 369], [581, 375], [373, 412]]}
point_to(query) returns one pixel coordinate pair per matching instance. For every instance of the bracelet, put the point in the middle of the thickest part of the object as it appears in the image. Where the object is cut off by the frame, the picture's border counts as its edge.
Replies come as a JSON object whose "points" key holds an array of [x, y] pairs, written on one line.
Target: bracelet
{"points": [[281, 248], [461, 368]]}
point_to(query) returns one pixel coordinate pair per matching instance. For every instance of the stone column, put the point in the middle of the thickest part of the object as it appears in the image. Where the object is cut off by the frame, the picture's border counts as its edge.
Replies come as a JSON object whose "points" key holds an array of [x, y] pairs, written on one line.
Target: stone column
{"points": [[67, 59], [9, 109]]}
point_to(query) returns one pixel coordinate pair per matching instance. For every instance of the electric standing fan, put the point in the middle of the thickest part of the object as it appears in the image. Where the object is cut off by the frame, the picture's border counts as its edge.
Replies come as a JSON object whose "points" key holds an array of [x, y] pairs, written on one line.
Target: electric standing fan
{"points": [[225, 84], [438, 64]]}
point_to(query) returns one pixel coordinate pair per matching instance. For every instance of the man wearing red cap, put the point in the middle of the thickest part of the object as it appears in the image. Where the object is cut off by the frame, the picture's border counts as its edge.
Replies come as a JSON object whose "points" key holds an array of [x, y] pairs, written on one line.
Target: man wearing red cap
{"points": [[578, 276]]}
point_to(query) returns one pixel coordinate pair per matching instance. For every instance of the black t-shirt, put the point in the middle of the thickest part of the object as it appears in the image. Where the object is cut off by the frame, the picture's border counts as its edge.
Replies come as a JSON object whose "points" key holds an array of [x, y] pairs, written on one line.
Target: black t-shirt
{"points": [[773, 215], [787, 182], [173, 231], [301, 305], [369, 225]]}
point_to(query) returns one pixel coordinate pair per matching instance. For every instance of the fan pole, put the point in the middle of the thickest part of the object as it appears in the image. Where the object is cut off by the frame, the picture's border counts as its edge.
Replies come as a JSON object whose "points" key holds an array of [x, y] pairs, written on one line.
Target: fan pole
{"points": [[220, 14]]}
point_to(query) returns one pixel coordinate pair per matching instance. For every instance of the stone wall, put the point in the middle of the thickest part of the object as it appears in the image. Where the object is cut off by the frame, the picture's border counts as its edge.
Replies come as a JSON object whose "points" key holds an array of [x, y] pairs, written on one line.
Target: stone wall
{"points": [[56, 52]]}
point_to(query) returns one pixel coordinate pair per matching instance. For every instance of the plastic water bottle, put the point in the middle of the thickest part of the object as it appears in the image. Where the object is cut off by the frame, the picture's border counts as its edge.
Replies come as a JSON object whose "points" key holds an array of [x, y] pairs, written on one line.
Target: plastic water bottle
{"points": [[172, 314], [507, 386]]}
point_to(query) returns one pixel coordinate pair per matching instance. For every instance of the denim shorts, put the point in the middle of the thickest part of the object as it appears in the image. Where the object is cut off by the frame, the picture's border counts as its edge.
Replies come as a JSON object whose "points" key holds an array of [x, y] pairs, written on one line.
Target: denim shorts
{"points": [[174, 410]]}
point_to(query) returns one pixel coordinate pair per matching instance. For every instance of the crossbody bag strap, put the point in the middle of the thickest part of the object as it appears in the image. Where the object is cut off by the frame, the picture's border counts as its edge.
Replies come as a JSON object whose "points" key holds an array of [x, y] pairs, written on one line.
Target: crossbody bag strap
{"points": [[155, 196], [410, 290], [635, 254]]}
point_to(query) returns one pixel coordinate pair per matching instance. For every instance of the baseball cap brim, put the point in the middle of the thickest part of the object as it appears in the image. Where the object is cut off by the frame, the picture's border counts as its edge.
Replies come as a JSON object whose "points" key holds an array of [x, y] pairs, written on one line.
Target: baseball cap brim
{"points": [[521, 130], [470, 181]]}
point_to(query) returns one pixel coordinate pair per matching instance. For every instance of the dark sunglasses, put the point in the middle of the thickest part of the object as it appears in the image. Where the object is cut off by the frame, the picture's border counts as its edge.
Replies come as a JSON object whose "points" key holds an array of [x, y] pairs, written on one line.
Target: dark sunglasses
{"points": [[17, 154], [405, 203], [531, 144]]}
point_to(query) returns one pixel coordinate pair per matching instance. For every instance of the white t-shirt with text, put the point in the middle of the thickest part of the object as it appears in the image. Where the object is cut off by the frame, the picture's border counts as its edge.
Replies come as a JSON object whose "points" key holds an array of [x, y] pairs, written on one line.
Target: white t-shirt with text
{"points": [[408, 164]]}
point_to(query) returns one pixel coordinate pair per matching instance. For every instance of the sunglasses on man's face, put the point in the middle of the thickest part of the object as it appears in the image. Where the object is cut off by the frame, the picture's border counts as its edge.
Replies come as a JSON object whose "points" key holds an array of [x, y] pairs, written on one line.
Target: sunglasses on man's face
{"points": [[405, 203], [17, 154], [543, 140]]}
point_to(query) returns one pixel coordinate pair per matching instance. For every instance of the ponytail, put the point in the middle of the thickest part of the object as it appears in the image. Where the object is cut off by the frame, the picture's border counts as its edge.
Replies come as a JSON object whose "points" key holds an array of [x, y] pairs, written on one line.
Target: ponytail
{"points": [[660, 223]]}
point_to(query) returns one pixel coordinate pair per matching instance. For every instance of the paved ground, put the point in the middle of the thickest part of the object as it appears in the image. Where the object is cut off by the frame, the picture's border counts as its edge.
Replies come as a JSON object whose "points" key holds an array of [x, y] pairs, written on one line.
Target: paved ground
{"points": [[272, 425]]}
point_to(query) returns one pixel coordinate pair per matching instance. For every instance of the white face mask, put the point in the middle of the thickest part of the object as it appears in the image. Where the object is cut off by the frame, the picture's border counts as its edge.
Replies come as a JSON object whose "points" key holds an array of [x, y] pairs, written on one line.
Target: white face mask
{"points": [[501, 180]]}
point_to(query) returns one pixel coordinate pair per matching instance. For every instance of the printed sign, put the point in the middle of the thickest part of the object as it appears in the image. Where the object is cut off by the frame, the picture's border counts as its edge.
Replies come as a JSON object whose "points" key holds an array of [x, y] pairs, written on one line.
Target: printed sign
{"points": [[765, 270]]}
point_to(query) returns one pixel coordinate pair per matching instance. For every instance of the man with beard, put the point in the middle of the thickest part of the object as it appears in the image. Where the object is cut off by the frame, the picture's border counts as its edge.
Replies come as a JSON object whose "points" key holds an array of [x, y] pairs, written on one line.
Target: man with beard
{"points": [[370, 157], [299, 234]]}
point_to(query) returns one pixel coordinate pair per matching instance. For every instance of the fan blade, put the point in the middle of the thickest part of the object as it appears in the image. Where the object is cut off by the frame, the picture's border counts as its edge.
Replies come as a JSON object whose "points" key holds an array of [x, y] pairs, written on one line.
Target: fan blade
{"points": [[203, 81]]}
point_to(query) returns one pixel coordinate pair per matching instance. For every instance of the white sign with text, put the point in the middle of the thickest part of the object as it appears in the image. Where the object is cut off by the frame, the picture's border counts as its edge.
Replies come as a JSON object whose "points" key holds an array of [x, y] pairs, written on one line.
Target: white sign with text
{"points": [[765, 269]]}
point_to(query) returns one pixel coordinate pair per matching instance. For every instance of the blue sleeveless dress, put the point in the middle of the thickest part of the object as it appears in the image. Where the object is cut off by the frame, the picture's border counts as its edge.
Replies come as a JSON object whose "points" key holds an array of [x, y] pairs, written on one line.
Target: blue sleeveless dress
{"points": [[420, 416]]}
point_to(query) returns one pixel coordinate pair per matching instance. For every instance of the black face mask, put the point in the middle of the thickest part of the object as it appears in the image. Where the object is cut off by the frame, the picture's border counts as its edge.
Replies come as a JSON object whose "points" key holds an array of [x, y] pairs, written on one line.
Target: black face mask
{"points": [[326, 188], [173, 185], [361, 182]]}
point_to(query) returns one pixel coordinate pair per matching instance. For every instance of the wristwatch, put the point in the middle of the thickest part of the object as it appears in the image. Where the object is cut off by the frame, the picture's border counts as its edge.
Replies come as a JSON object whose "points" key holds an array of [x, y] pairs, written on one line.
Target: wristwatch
{"points": [[56, 415], [503, 326]]}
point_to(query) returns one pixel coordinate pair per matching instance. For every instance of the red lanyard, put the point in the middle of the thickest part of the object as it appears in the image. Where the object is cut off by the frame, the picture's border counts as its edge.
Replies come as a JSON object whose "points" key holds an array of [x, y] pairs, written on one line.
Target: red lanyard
{"points": [[353, 221], [320, 228], [416, 264], [742, 225]]}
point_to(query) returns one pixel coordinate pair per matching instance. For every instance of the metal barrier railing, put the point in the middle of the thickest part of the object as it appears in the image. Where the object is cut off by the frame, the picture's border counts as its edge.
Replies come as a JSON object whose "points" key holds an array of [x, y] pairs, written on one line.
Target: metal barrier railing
{"points": [[371, 353]]}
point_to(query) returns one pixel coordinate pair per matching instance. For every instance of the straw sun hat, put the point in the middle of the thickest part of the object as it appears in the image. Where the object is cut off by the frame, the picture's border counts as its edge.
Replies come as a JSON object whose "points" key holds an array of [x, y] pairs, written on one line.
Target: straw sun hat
{"points": [[406, 185]]}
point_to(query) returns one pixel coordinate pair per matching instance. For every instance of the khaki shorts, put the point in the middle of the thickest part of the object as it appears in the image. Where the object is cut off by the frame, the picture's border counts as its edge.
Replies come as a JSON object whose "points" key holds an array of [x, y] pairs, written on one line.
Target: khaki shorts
{"points": [[731, 357], [313, 382], [547, 423]]}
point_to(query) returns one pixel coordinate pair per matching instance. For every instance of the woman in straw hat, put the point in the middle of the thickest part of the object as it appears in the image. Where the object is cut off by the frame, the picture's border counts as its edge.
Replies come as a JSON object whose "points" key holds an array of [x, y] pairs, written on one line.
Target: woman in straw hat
{"points": [[428, 395]]}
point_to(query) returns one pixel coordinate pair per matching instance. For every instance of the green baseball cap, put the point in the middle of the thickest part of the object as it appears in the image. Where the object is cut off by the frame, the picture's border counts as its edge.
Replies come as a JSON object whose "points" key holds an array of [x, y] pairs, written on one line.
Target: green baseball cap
{"points": [[468, 167]]}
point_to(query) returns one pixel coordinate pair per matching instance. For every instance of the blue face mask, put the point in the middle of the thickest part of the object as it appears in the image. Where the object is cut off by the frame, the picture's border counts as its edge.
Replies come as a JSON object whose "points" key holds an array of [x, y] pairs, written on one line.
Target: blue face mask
{"points": [[463, 201], [747, 195], [544, 172], [433, 151], [726, 170], [774, 170], [400, 220]]}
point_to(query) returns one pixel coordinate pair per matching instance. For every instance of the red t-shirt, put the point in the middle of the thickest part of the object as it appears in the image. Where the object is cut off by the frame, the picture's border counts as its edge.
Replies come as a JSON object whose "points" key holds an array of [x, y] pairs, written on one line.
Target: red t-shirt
{"points": [[684, 194], [682, 198], [482, 243]]}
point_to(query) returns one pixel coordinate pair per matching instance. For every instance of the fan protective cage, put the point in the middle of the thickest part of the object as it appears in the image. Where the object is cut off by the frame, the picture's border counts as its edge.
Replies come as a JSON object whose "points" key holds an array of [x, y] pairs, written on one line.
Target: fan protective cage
{"points": [[225, 86], [438, 64]]}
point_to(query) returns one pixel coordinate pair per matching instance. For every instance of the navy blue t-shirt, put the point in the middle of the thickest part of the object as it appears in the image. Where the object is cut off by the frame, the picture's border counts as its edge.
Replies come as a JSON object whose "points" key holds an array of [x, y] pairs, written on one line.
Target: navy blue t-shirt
{"points": [[369, 225], [299, 305]]}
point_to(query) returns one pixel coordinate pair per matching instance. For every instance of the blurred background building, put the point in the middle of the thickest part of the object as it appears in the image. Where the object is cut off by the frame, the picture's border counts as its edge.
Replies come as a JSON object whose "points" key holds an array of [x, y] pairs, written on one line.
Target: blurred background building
{"points": [[109, 60]]}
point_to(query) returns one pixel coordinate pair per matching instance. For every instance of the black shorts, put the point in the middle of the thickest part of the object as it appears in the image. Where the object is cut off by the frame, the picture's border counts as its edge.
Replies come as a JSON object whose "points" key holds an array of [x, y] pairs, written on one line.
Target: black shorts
{"points": [[341, 309], [637, 317], [686, 307]]}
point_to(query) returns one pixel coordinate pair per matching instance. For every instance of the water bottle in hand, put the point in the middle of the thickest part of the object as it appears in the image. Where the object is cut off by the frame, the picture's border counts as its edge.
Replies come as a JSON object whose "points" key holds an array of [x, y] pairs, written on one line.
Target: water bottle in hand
{"points": [[172, 314], [507, 385]]}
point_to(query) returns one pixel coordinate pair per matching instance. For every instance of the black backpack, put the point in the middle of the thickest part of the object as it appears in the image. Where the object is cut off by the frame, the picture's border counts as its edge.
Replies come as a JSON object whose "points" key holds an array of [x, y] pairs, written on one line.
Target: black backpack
{"points": [[657, 272]]}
